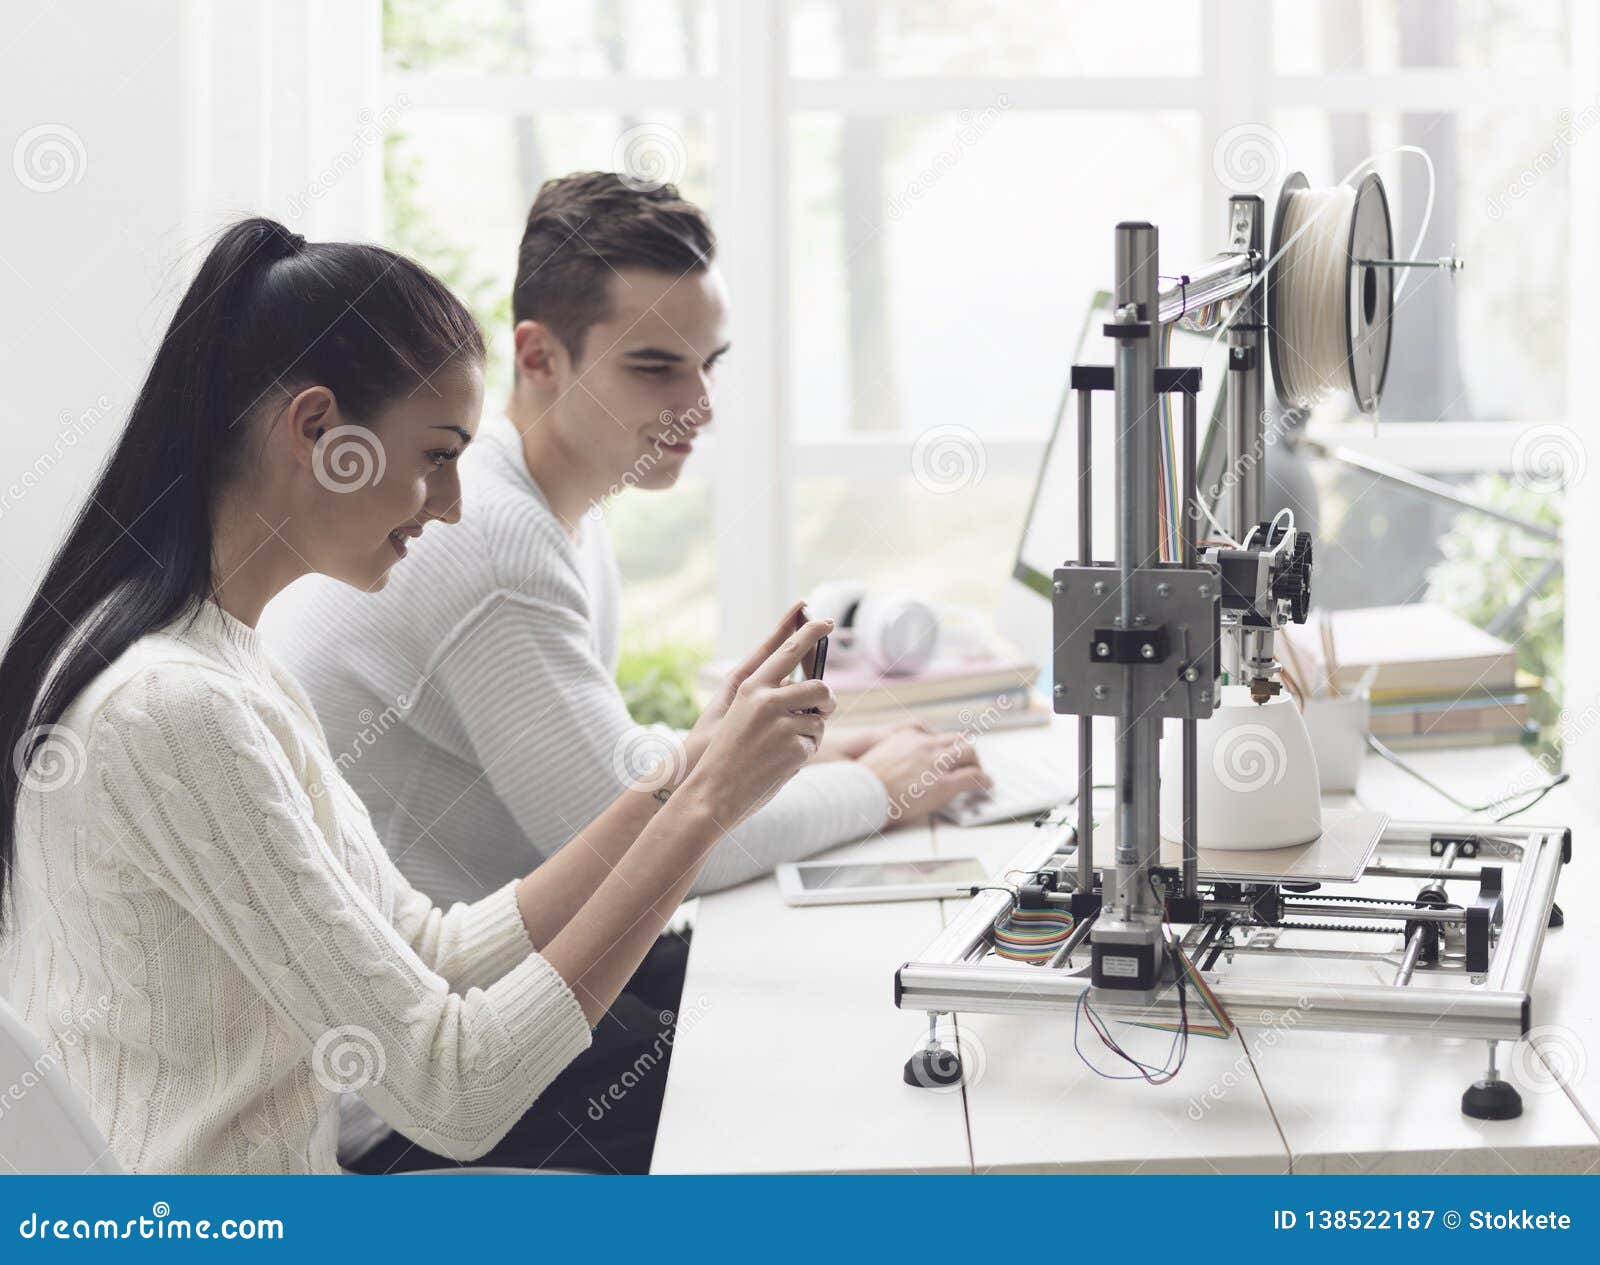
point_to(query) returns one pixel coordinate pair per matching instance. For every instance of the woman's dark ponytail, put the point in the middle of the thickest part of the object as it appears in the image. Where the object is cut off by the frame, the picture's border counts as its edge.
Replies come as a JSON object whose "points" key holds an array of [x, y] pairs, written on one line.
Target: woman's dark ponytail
{"points": [[267, 315]]}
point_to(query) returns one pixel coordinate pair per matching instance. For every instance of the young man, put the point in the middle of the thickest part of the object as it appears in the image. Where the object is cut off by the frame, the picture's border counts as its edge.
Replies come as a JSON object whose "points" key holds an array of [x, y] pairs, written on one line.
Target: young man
{"points": [[474, 701]]}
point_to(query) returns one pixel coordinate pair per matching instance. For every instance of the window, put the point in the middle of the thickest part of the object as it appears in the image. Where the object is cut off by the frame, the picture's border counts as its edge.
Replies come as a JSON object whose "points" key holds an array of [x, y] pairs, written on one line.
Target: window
{"points": [[915, 200], [491, 99]]}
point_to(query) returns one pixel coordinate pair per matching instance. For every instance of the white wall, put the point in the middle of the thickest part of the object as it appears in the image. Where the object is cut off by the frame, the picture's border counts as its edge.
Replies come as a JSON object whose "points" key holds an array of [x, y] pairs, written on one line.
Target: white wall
{"points": [[128, 133]]}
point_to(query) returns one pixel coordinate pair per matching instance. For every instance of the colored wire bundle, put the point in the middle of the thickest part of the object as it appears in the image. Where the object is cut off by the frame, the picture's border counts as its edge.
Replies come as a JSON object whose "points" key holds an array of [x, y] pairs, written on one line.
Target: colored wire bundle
{"points": [[1168, 501], [1031, 935], [1221, 1026], [1157, 1073], [1150, 1073]]}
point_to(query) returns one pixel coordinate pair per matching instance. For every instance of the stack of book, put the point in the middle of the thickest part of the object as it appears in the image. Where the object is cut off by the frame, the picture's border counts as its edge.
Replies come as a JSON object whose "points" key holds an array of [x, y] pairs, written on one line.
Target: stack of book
{"points": [[1435, 680], [1475, 718], [968, 695]]}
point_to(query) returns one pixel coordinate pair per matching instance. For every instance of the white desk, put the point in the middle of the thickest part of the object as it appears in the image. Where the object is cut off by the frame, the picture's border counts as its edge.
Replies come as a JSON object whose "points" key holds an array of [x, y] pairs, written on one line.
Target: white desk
{"points": [[790, 1052], [789, 1049]]}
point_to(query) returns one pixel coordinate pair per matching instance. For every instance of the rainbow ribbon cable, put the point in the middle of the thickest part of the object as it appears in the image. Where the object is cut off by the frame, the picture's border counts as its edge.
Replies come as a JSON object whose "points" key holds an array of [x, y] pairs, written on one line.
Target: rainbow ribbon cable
{"points": [[1222, 1028], [1031, 935]]}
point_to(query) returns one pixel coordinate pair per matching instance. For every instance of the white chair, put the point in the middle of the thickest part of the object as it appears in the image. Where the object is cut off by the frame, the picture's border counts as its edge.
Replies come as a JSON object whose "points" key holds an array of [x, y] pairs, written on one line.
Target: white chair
{"points": [[44, 1128]]}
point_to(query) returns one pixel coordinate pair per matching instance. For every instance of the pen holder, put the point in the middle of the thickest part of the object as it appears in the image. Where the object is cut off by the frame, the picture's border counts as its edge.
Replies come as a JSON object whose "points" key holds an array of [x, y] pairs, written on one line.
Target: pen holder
{"points": [[1338, 728]]}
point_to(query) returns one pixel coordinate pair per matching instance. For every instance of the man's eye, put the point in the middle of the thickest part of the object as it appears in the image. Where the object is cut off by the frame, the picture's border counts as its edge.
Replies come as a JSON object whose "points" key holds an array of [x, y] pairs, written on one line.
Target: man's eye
{"points": [[651, 371]]}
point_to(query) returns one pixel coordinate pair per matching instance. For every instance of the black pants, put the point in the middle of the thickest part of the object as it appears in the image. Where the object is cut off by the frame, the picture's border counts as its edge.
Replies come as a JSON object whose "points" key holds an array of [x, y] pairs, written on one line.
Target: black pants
{"points": [[601, 1113]]}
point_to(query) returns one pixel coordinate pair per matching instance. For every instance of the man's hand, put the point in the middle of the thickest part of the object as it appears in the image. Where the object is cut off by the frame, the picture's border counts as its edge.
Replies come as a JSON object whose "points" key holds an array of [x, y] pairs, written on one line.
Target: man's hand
{"points": [[924, 771]]}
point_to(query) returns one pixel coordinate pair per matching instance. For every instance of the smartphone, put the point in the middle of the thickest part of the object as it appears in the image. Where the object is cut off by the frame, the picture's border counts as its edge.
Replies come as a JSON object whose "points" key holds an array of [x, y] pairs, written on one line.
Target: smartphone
{"points": [[815, 660]]}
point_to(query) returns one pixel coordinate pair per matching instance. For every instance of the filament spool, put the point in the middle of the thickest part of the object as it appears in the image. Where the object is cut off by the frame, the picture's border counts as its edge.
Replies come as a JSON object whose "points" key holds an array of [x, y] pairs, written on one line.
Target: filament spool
{"points": [[1305, 288]]}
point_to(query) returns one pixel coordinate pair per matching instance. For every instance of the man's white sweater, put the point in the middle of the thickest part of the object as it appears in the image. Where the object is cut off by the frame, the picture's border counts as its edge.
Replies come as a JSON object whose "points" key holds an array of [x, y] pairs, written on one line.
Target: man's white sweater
{"points": [[473, 705]]}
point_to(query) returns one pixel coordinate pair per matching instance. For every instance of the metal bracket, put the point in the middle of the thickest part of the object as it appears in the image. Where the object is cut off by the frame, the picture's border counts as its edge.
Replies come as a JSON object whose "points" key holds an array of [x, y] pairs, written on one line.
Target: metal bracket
{"points": [[1128, 645], [1466, 845], [1483, 915], [1177, 681], [1242, 216]]}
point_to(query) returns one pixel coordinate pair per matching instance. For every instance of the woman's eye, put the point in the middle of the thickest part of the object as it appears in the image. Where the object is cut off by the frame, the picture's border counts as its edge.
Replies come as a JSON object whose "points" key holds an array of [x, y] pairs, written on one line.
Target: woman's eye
{"points": [[442, 455]]}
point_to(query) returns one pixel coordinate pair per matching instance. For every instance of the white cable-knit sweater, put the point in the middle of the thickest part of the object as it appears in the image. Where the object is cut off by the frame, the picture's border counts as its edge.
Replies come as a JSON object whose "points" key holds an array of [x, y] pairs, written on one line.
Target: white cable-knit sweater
{"points": [[209, 932], [473, 703]]}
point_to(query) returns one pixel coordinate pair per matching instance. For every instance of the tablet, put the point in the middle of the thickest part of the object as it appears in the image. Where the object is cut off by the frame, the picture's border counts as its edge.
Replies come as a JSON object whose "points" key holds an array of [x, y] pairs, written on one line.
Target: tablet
{"points": [[852, 882]]}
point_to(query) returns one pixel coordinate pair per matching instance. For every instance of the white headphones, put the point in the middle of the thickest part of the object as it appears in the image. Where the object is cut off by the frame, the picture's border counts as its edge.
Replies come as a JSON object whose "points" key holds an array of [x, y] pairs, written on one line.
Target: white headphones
{"points": [[893, 633]]}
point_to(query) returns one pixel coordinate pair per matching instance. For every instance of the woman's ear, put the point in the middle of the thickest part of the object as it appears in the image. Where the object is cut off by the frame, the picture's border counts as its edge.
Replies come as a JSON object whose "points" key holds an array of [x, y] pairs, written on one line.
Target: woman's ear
{"points": [[310, 415]]}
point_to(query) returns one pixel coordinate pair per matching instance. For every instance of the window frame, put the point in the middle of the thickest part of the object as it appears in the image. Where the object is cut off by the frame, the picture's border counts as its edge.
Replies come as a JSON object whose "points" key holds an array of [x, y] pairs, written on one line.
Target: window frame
{"points": [[752, 98]]}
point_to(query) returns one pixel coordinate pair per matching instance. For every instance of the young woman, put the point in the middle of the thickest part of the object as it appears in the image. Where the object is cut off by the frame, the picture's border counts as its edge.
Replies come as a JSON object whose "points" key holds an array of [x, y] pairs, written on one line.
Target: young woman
{"points": [[187, 883]]}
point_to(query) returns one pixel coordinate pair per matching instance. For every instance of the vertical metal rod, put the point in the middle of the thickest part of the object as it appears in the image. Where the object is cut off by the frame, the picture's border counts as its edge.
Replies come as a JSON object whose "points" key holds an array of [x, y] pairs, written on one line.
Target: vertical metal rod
{"points": [[1085, 722], [1188, 530], [1246, 449], [1234, 477], [1138, 777], [1247, 456], [1247, 453], [1246, 388]]}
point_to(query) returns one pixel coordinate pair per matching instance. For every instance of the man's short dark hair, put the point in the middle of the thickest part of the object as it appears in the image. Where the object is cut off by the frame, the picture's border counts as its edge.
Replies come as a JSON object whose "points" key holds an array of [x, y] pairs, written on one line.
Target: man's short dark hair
{"points": [[585, 227]]}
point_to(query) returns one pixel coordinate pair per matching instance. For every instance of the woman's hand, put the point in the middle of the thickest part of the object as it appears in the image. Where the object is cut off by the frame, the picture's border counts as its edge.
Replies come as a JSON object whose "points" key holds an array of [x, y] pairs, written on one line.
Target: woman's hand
{"points": [[699, 737], [766, 730]]}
